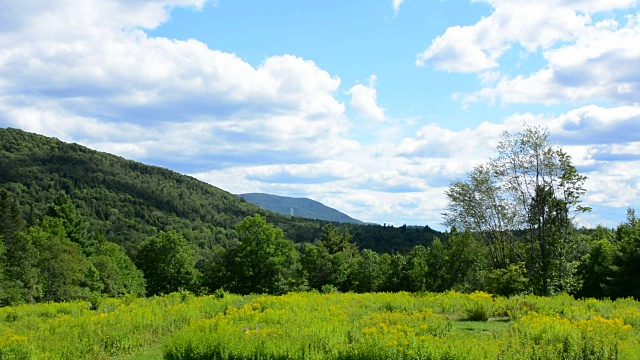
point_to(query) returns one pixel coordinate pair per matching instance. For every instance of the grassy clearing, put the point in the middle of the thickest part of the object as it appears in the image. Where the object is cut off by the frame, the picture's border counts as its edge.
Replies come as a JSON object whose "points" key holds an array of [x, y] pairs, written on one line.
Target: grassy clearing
{"points": [[324, 326]]}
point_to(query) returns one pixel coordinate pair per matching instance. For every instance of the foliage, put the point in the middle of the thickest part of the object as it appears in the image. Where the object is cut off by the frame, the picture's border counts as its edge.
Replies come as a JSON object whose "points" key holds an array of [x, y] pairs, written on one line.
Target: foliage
{"points": [[70, 218], [117, 272], [264, 261], [72, 330], [333, 261], [168, 264], [18, 274], [127, 201], [65, 273], [480, 307], [510, 281], [596, 266], [536, 336], [367, 272], [404, 326], [626, 260], [75, 227], [325, 326], [530, 187]]}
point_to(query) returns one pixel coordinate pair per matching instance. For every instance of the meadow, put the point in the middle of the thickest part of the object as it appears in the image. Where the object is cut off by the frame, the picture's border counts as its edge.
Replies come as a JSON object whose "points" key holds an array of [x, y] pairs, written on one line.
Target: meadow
{"points": [[312, 325]]}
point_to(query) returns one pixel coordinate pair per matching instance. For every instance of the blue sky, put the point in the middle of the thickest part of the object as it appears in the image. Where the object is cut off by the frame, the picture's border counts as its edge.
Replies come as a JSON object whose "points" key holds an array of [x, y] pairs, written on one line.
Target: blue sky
{"points": [[371, 107]]}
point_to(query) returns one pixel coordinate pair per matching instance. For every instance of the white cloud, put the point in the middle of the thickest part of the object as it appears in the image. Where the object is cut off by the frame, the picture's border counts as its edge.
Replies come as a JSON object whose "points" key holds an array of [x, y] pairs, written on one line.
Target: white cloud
{"points": [[457, 51], [600, 65], [396, 6], [364, 101], [532, 24], [87, 72]]}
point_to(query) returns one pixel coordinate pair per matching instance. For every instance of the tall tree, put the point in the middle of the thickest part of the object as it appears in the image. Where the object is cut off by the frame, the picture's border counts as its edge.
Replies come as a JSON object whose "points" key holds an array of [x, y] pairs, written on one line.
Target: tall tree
{"points": [[318, 267], [367, 272], [417, 269], [626, 259], [74, 224], [11, 222], [596, 266], [22, 270], [20, 256], [117, 272], [531, 187], [335, 240], [264, 261], [65, 273], [168, 264]]}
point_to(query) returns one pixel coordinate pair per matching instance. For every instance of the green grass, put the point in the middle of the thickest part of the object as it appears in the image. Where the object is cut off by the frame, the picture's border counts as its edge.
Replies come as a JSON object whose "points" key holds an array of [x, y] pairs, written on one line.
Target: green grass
{"points": [[485, 327], [153, 352], [324, 326]]}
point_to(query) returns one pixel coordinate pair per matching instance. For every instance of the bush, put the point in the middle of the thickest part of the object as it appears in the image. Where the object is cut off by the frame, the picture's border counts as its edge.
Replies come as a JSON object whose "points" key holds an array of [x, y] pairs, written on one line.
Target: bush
{"points": [[480, 307]]}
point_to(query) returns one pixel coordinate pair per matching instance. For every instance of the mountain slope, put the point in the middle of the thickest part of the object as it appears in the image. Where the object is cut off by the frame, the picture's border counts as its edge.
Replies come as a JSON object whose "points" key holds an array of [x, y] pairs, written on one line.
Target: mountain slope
{"points": [[301, 207], [127, 201], [124, 200]]}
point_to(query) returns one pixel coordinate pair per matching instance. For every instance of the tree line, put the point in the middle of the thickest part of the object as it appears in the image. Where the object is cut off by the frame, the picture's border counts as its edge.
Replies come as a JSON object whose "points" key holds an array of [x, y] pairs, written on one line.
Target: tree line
{"points": [[57, 259], [512, 231]]}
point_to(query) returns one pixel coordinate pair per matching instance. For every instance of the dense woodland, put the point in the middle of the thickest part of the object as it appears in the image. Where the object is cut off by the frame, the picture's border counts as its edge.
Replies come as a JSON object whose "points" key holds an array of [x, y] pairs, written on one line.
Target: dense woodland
{"points": [[80, 224], [127, 201]]}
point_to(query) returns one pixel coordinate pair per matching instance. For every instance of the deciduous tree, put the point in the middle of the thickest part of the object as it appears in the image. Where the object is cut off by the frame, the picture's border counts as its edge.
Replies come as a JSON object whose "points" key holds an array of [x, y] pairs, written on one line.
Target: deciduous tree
{"points": [[264, 261], [531, 188], [168, 264]]}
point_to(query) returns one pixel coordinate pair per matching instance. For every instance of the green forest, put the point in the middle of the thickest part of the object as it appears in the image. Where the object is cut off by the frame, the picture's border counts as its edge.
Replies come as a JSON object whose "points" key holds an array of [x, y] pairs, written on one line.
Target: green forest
{"points": [[77, 224]]}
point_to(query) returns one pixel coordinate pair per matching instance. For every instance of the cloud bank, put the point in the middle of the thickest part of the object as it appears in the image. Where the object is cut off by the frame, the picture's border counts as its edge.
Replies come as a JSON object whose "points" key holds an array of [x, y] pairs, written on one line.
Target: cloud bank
{"points": [[89, 73]]}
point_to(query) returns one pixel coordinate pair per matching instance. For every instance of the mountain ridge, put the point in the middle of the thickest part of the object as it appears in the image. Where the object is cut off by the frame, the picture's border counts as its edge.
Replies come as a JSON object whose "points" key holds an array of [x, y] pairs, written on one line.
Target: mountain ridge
{"points": [[301, 207]]}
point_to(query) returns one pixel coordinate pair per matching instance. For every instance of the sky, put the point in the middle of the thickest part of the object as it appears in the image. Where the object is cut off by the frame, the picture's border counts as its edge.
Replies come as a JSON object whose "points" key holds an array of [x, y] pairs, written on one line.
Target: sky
{"points": [[371, 107]]}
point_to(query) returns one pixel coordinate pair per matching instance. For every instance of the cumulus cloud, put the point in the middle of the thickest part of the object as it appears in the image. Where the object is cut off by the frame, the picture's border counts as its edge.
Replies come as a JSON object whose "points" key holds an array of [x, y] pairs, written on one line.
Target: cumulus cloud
{"points": [[364, 101], [533, 25], [600, 65], [89, 73]]}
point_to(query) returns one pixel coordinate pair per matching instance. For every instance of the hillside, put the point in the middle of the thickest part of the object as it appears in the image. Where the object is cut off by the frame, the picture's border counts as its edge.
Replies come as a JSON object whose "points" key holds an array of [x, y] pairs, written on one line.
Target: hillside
{"points": [[127, 201], [301, 207]]}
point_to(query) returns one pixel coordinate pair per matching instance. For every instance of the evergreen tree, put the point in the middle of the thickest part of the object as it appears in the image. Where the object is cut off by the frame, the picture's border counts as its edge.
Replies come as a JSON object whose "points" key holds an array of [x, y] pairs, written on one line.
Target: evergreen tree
{"points": [[626, 260], [336, 241], [11, 222], [22, 270], [75, 226]]}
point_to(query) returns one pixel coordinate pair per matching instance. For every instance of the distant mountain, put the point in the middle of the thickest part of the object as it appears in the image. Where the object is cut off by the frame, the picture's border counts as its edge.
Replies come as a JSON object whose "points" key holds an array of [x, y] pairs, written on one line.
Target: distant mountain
{"points": [[301, 207]]}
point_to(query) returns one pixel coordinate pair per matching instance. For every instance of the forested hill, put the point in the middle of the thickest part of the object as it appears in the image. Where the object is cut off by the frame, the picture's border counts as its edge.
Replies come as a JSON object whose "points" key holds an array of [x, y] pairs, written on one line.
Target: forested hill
{"points": [[127, 201], [301, 207]]}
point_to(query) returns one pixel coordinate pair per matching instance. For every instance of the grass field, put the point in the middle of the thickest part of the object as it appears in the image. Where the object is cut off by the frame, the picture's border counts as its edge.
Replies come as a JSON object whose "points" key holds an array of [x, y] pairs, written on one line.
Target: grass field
{"points": [[324, 326]]}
